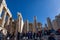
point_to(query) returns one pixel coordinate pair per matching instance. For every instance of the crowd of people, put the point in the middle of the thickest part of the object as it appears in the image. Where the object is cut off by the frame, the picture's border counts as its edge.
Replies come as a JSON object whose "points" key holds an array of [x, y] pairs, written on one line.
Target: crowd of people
{"points": [[40, 34], [30, 35]]}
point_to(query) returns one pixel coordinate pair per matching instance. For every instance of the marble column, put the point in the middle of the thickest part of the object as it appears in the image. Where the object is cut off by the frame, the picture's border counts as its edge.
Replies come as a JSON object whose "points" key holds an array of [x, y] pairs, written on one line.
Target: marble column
{"points": [[27, 25], [3, 22], [8, 20], [1, 8], [20, 23], [35, 25]]}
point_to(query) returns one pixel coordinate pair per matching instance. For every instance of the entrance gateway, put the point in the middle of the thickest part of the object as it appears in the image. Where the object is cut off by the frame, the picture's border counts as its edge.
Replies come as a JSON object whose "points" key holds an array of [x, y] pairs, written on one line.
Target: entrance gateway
{"points": [[5, 14]]}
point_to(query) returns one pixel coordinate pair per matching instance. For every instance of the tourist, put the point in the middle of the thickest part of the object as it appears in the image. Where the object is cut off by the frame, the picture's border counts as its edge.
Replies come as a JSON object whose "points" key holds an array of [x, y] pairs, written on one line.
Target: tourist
{"points": [[1, 35], [8, 35], [18, 36], [39, 34], [51, 37], [58, 32], [29, 35]]}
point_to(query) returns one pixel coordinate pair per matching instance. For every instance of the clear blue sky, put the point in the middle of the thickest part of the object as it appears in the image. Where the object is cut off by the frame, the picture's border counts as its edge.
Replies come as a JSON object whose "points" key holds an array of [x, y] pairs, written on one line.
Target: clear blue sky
{"points": [[29, 8]]}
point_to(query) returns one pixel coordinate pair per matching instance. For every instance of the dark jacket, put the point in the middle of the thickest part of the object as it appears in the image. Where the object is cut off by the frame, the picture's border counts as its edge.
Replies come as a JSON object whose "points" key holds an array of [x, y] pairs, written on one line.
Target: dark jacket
{"points": [[51, 38]]}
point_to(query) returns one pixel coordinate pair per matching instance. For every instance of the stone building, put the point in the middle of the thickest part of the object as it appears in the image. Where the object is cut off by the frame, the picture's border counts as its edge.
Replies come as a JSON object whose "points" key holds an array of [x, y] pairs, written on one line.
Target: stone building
{"points": [[56, 22], [5, 14]]}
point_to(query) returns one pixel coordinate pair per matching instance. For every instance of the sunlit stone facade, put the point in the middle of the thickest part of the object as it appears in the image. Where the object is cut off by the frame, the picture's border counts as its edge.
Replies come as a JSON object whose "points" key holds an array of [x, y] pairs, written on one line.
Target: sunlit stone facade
{"points": [[5, 14], [6, 21], [20, 23], [56, 22], [8, 24]]}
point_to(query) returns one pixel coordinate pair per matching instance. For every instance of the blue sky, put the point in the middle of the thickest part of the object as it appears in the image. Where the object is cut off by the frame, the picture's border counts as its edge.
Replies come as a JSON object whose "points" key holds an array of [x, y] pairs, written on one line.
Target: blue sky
{"points": [[29, 8]]}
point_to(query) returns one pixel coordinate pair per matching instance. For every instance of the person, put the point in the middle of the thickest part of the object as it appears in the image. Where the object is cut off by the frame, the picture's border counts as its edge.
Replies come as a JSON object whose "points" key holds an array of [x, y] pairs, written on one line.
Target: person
{"points": [[29, 35], [39, 34], [8, 35], [24, 35], [34, 36], [18, 36], [1, 35], [51, 37], [58, 32]]}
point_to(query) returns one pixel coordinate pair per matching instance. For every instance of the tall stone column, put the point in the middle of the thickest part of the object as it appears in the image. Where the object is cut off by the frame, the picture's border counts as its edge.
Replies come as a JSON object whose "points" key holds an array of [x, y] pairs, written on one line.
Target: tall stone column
{"points": [[39, 26], [27, 25], [16, 31], [1, 8], [10, 25], [35, 25], [30, 27], [8, 20], [20, 23], [3, 22], [49, 23]]}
